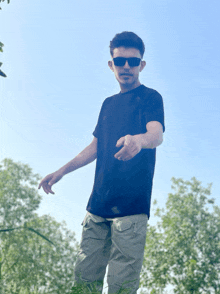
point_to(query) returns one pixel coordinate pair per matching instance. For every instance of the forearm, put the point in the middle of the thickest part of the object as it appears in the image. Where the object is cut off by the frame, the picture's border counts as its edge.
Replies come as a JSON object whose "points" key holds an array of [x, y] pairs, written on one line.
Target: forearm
{"points": [[150, 140], [85, 157]]}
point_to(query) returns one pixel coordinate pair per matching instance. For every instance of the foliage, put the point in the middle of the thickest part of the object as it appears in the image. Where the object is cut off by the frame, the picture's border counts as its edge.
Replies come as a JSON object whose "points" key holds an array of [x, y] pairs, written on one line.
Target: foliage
{"points": [[28, 262], [3, 1], [1, 48], [1, 45], [18, 194], [184, 248], [94, 288], [1, 72]]}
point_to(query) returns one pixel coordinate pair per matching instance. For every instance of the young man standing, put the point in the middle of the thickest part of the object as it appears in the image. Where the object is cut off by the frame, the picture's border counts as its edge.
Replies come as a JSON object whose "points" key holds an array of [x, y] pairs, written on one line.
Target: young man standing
{"points": [[129, 128]]}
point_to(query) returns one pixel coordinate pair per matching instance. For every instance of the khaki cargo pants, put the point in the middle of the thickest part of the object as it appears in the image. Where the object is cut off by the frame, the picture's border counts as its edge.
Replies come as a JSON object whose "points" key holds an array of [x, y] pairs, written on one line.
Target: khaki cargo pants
{"points": [[118, 243]]}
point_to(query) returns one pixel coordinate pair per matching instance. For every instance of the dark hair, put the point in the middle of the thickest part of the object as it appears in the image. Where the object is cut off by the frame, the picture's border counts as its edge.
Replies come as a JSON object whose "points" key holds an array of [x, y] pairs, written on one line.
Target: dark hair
{"points": [[127, 40]]}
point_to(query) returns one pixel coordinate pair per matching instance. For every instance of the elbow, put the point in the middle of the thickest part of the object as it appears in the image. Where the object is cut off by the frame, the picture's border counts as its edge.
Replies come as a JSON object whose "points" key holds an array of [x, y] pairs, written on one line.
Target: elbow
{"points": [[160, 139], [159, 143]]}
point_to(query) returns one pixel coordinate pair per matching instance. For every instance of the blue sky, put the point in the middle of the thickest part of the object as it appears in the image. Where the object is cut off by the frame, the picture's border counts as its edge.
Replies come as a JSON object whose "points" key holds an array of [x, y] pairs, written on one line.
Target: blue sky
{"points": [[55, 57]]}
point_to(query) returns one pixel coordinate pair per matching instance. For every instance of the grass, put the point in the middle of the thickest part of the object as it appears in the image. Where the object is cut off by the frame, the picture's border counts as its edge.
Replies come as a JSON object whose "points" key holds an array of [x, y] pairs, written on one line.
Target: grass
{"points": [[94, 288]]}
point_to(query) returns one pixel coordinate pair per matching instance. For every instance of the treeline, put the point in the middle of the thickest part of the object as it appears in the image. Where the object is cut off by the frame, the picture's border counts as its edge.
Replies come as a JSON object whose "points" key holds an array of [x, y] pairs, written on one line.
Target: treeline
{"points": [[38, 254]]}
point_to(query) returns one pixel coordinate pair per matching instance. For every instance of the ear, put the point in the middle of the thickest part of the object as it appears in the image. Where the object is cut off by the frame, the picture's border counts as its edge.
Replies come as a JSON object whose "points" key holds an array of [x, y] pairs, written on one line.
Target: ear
{"points": [[110, 64], [143, 63]]}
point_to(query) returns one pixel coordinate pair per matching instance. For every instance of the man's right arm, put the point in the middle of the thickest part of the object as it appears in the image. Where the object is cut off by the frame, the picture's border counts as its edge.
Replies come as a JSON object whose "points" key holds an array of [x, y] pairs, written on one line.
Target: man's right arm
{"points": [[85, 157]]}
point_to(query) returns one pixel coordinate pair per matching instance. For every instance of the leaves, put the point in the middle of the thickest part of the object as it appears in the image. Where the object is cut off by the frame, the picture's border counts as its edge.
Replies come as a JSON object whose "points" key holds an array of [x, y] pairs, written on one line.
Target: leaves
{"points": [[1, 50], [18, 194], [28, 262], [30, 229], [3, 1], [3, 74], [1, 45], [39, 234], [183, 249]]}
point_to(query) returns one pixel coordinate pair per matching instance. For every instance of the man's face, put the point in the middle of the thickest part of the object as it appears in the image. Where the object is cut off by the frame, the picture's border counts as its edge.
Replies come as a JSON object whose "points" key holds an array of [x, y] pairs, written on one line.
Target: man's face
{"points": [[127, 76]]}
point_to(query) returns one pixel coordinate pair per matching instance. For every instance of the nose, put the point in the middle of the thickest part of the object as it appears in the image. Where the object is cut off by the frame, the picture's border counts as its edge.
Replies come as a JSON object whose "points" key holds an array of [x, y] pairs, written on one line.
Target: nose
{"points": [[126, 65]]}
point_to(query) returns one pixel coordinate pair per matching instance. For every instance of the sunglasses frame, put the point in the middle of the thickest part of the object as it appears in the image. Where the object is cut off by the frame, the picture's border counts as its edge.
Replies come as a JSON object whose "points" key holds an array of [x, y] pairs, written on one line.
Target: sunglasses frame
{"points": [[130, 61]]}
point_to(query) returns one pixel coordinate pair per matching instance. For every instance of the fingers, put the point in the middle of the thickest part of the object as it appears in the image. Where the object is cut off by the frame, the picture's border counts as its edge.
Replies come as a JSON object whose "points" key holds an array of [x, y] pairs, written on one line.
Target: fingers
{"points": [[120, 142], [122, 154], [48, 190], [119, 154], [46, 186], [129, 150], [126, 153]]}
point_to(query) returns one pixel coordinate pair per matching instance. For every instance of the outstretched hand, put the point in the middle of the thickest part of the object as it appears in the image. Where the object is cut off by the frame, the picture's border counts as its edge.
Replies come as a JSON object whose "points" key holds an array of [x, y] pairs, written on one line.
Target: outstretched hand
{"points": [[48, 181], [132, 146]]}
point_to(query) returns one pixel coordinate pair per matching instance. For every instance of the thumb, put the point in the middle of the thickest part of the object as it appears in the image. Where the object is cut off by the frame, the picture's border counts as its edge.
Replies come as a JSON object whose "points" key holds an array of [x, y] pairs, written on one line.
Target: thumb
{"points": [[120, 142]]}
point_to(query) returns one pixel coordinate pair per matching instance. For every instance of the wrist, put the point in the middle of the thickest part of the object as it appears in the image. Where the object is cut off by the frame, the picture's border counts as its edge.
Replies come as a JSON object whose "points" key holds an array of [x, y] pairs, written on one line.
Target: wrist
{"points": [[140, 139]]}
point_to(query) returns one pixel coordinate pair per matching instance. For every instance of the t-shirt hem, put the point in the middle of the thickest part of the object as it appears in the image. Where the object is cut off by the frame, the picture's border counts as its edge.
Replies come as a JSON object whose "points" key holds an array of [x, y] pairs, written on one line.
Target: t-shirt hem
{"points": [[118, 215]]}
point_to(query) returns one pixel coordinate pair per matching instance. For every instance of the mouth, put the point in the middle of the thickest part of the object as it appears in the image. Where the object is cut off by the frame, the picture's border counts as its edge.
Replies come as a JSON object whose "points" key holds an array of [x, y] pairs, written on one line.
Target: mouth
{"points": [[126, 74]]}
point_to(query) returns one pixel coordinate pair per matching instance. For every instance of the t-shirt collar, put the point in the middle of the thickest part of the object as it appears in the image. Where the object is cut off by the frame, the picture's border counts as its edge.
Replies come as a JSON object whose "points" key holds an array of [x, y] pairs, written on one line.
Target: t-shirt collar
{"points": [[133, 90]]}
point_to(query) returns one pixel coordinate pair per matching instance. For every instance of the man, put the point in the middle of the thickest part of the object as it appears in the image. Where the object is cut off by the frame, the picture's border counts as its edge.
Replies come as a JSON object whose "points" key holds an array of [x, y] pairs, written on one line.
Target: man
{"points": [[129, 128]]}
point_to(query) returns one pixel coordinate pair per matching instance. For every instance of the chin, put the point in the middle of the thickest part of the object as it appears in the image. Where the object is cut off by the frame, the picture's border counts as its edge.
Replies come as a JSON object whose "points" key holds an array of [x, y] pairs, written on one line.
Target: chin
{"points": [[128, 84], [123, 82]]}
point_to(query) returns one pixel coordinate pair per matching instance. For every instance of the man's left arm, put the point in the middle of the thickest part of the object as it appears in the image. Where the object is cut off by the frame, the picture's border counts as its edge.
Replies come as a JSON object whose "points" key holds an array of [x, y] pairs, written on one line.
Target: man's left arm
{"points": [[132, 145]]}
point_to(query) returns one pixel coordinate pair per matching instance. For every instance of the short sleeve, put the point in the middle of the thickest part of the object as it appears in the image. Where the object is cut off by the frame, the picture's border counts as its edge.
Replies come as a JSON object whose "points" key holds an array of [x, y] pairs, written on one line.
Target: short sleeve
{"points": [[95, 133], [153, 109], [97, 128]]}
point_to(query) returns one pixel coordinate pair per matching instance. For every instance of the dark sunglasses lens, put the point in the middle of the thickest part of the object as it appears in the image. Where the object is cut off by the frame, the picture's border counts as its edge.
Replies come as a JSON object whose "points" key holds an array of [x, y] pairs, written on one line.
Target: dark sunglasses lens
{"points": [[134, 61], [119, 61]]}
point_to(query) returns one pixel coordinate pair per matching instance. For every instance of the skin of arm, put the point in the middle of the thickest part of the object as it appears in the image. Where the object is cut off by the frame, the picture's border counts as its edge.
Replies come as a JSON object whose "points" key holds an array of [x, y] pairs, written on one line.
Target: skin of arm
{"points": [[85, 157], [132, 145]]}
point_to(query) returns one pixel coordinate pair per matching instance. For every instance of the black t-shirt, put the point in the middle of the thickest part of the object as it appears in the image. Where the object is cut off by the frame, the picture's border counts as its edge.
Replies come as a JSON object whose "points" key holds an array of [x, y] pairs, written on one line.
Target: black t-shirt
{"points": [[124, 187]]}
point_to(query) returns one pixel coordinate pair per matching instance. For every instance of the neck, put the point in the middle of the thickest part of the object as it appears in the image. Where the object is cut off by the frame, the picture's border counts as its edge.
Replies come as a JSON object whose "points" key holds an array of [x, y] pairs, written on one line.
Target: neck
{"points": [[126, 88]]}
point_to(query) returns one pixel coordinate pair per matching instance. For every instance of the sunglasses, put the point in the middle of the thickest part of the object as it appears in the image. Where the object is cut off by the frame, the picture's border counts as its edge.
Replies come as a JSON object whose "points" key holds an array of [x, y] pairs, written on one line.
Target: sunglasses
{"points": [[132, 61]]}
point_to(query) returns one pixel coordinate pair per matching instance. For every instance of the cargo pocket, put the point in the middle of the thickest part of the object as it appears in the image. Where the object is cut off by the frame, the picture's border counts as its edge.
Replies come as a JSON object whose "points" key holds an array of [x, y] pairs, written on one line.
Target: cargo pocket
{"points": [[92, 217], [124, 226], [94, 227], [140, 227]]}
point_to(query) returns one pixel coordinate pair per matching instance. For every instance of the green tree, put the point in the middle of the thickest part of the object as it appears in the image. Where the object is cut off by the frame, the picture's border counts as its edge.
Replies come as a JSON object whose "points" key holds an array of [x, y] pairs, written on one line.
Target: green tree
{"points": [[4, 1], [37, 254], [1, 46], [184, 248], [1, 72]]}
